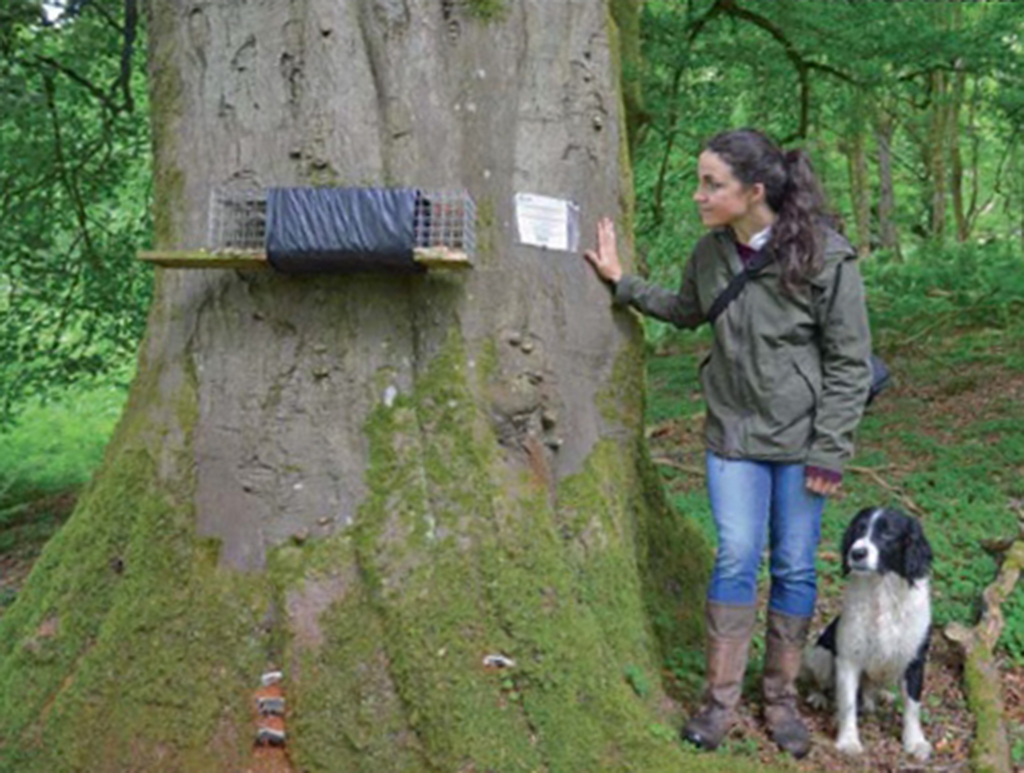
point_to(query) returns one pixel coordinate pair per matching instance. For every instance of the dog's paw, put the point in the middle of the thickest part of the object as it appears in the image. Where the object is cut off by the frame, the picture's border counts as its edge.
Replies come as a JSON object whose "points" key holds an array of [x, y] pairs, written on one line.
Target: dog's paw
{"points": [[850, 746], [919, 749], [817, 700]]}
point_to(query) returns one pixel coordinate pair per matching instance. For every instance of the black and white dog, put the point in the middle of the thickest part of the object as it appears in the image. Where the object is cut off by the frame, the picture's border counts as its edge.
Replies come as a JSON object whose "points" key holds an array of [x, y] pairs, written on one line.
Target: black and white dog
{"points": [[881, 635]]}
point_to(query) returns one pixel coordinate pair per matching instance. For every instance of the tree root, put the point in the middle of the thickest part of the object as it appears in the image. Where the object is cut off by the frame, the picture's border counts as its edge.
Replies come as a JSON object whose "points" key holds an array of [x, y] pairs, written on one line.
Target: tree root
{"points": [[991, 748]]}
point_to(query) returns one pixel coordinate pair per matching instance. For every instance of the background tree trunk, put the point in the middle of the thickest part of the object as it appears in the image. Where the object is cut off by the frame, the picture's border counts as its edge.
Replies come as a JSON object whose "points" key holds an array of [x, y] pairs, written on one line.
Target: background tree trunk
{"points": [[370, 482], [884, 129], [935, 153], [961, 208], [857, 162]]}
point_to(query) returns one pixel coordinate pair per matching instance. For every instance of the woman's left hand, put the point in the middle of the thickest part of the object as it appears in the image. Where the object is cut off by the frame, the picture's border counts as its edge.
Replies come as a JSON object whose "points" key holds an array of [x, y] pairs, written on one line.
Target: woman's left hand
{"points": [[823, 486]]}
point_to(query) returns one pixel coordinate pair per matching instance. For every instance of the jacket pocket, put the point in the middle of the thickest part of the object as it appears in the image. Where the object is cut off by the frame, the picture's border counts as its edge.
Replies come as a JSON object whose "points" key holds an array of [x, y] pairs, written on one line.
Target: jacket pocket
{"points": [[791, 409]]}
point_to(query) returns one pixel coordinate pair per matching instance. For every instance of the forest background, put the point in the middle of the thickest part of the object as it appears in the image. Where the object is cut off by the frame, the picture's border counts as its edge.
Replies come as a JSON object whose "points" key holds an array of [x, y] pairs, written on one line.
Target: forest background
{"points": [[912, 111]]}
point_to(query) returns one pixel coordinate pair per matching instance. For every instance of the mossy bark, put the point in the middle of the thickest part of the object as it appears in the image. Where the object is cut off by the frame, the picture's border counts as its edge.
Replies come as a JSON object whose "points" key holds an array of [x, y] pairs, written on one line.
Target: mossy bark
{"points": [[990, 751], [371, 482]]}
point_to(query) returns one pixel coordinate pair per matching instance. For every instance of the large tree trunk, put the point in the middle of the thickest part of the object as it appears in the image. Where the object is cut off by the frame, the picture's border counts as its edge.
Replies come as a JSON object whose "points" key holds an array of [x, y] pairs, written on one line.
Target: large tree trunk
{"points": [[370, 482]]}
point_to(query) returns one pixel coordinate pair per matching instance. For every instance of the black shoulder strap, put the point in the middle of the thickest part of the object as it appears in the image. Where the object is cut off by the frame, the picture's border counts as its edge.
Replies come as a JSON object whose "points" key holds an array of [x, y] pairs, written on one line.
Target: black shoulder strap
{"points": [[736, 285], [835, 288]]}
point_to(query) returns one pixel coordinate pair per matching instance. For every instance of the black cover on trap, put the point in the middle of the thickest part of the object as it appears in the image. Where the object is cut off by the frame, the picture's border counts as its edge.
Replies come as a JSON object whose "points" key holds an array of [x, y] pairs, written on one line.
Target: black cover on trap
{"points": [[314, 230]]}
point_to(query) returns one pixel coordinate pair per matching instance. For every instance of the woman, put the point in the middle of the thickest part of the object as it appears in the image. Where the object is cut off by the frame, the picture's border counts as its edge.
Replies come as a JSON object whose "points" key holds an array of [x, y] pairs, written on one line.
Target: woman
{"points": [[785, 384]]}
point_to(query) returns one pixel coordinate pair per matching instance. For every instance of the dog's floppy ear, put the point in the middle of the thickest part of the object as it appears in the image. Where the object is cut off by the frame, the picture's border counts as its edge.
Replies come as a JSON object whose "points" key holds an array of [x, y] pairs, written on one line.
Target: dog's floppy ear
{"points": [[849, 538], [844, 548], [917, 553]]}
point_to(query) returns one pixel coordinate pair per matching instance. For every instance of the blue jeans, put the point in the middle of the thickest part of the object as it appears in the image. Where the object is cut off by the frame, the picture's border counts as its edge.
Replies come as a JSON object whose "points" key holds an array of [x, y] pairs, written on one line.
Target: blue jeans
{"points": [[751, 501]]}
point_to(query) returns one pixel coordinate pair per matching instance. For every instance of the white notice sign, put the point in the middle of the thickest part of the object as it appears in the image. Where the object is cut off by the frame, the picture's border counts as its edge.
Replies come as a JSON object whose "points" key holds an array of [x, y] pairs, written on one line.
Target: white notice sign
{"points": [[547, 222]]}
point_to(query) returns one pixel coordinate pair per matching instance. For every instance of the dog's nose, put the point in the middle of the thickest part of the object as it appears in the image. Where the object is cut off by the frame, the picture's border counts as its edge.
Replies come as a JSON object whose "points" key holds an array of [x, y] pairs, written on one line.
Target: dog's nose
{"points": [[858, 554]]}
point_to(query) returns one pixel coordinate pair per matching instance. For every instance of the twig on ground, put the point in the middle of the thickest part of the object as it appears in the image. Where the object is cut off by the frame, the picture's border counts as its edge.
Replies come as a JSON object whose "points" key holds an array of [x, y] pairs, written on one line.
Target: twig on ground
{"points": [[658, 429], [872, 473], [662, 427], [666, 462]]}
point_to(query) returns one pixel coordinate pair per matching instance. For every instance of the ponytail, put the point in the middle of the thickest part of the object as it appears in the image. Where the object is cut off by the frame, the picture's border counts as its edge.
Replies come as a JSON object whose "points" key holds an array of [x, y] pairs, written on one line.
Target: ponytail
{"points": [[792, 192], [797, 236]]}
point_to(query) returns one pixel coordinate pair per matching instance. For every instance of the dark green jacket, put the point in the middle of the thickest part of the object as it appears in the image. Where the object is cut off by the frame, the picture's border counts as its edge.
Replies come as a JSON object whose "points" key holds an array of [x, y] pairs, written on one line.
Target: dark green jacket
{"points": [[787, 377]]}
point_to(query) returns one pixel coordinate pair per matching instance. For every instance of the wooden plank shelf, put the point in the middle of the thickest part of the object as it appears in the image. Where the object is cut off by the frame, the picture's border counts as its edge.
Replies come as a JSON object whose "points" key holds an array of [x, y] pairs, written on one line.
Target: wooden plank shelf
{"points": [[243, 259], [431, 257], [441, 257]]}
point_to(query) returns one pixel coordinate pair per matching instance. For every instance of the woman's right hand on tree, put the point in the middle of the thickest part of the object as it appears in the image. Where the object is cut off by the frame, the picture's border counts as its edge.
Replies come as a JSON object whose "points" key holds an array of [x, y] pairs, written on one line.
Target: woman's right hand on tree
{"points": [[605, 259]]}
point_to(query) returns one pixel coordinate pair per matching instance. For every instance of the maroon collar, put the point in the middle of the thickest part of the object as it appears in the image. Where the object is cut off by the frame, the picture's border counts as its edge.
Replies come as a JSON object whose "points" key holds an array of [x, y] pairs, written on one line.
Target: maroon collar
{"points": [[746, 253]]}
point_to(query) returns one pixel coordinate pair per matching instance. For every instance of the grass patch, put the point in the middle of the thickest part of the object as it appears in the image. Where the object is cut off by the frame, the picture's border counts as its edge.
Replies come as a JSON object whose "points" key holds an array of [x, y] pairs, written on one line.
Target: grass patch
{"points": [[55, 446], [46, 456]]}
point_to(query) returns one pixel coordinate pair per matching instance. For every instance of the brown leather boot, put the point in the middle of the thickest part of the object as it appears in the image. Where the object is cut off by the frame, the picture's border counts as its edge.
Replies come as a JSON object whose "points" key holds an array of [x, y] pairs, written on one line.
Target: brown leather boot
{"points": [[784, 644], [728, 630]]}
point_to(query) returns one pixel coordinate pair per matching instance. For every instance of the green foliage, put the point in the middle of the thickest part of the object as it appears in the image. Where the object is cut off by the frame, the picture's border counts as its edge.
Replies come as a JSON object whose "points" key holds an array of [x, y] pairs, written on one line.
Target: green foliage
{"points": [[714, 66], [937, 288], [75, 182]]}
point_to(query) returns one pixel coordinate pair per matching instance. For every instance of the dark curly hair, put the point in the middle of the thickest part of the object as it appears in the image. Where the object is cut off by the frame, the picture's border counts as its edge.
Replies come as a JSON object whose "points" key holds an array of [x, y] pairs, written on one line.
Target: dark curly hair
{"points": [[792, 192]]}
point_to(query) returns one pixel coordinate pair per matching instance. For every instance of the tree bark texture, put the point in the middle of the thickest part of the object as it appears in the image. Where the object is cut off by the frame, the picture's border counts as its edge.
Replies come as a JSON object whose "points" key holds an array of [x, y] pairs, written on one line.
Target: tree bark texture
{"points": [[935, 154], [961, 209], [371, 482], [884, 129], [990, 751], [860, 200]]}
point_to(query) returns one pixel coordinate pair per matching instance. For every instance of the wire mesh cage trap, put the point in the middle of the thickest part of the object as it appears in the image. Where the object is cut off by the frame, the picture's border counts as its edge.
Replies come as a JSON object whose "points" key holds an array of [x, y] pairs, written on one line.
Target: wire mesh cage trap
{"points": [[237, 221], [443, 230], [444, 226], [442, 234]]}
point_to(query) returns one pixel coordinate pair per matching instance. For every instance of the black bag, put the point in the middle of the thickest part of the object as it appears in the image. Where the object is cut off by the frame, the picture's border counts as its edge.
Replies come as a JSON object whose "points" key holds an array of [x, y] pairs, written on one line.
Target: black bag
{"points": [[880, 376]]}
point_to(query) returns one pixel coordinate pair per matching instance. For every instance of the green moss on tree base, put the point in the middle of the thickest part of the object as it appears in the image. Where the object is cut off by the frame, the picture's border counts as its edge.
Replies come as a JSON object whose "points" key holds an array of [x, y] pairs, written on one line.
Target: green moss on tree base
{"points": [[456, 557], [486, 10], [989, 752], [128, 648]]}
